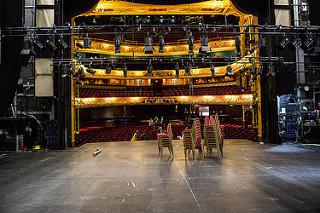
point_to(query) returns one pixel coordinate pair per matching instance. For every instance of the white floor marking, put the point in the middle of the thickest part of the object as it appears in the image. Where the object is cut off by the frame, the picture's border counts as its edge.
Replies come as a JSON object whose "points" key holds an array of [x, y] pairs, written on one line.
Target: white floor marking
{"points": [[188, 185]]}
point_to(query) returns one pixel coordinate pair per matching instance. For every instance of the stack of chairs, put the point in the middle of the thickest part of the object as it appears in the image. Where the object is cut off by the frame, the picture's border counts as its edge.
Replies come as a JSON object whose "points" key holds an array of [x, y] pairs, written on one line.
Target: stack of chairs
{"points": [[196, 135], [213, 137], [165, 140], [188, 143]]}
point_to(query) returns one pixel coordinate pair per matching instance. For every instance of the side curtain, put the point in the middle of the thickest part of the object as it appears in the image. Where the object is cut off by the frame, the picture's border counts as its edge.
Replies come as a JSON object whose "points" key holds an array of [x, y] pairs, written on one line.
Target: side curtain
{"points": [[10, 15]]}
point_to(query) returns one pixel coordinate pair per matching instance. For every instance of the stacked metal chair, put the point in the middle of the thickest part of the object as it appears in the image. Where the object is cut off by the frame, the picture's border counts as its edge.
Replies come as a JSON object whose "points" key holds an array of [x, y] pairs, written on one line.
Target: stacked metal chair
{"points": [[188, 144], [213, 138], [165, 140], [196, 136]]}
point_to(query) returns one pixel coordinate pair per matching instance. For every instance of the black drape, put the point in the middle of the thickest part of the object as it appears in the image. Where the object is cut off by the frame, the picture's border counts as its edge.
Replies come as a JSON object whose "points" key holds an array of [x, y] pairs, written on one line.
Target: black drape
{"points": [[75, 7], [10, 15]]}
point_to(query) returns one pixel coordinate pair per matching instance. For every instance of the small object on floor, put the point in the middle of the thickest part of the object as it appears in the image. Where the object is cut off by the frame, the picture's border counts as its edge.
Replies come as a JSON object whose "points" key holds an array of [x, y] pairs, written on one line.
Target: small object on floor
{"points": [[36, 147], [96, 152]]}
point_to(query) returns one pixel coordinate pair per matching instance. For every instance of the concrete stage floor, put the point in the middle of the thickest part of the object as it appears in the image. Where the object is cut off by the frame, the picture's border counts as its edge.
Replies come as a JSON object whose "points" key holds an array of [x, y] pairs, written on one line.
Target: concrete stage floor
{"points": [[131, 177]]}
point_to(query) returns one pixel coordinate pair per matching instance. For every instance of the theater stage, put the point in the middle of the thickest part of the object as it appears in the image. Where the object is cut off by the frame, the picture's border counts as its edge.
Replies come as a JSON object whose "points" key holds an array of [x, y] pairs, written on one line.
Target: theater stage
{"points": [[131, 177]]}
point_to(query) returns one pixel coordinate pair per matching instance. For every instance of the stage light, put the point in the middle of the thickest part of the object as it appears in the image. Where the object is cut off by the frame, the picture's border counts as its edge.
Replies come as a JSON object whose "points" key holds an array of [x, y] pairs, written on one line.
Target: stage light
{"points": [[229, 70], [137, 20], [108, 69], [212, 70], [173, 20], [177, 69], [27, 49], [63, 44], [79, 45], [26, 52], [161, 44], [38, 44], [87, 42], [148, 44], [90, 70], [125, 70], [117, 44], [187, 70], [284, 42], [297, 42], [204, 48], [161, 20], [308, 41], [190, 42], [80, 73], [50, 43], [148, 20]]}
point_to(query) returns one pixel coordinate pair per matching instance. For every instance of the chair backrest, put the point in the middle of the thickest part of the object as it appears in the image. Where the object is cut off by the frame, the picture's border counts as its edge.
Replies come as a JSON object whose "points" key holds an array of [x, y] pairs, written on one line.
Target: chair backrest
{"points": [[206, 121], [210, 134], [196, 132], [212, 119], [187, 139], [168, 127]]}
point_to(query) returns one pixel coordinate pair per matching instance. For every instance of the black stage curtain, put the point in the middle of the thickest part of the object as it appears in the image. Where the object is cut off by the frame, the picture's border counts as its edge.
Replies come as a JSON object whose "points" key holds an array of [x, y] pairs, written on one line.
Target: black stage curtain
{"points": [[314, 12], [10, 15], [72, 8]]}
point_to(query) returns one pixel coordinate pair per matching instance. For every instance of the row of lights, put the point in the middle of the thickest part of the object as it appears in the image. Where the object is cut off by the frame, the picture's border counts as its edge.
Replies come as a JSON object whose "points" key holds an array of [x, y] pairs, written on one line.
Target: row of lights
{"points": [[148, 49], [109, 67]]}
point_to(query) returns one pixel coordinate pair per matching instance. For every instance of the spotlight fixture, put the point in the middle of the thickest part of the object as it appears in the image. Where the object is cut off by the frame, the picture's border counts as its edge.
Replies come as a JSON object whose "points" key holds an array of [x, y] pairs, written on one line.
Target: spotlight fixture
{"points": [[190, 42], [204, 48], [308, 41], [63, 44], [108, 69], [125, 70], [79, 45], [26, 52], [284, 42], [87, 42], [297, 42], [148, 19], [229, 70], [90, 70], [27, 49], [177, 69], [173, 20], [187, 70], [148, 44], [161, 44], [161, 20], [80, 73], [212, 70], [38, 44], [50, 43], [137, 20], [117, 43]]}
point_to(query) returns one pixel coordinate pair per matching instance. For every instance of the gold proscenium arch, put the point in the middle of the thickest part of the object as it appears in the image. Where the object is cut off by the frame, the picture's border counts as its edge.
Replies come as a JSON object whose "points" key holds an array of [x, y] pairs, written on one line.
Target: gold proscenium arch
{"points": [[211, 7]]}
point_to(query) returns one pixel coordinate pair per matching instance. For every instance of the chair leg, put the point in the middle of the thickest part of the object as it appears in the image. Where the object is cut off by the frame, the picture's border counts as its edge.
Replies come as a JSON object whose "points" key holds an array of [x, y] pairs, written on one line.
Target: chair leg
{"points": [[193, 154], [171, 149], [185, 154]]}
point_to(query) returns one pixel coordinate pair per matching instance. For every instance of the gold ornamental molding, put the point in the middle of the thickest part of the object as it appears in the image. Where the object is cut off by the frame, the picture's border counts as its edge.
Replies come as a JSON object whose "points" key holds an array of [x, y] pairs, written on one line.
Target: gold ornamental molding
{"points": [[244, 63], [244, 99], [212, 7], [171, 49]]}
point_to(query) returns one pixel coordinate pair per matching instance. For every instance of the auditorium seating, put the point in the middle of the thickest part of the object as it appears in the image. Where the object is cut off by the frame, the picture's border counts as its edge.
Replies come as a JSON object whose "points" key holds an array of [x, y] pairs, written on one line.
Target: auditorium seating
{"points": [[124, 133], [231, 131], [164, 91]]}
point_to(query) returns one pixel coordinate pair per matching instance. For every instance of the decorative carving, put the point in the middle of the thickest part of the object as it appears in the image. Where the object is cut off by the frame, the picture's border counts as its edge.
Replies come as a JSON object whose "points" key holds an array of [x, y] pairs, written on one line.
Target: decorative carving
{"points": [[245, 99]]}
